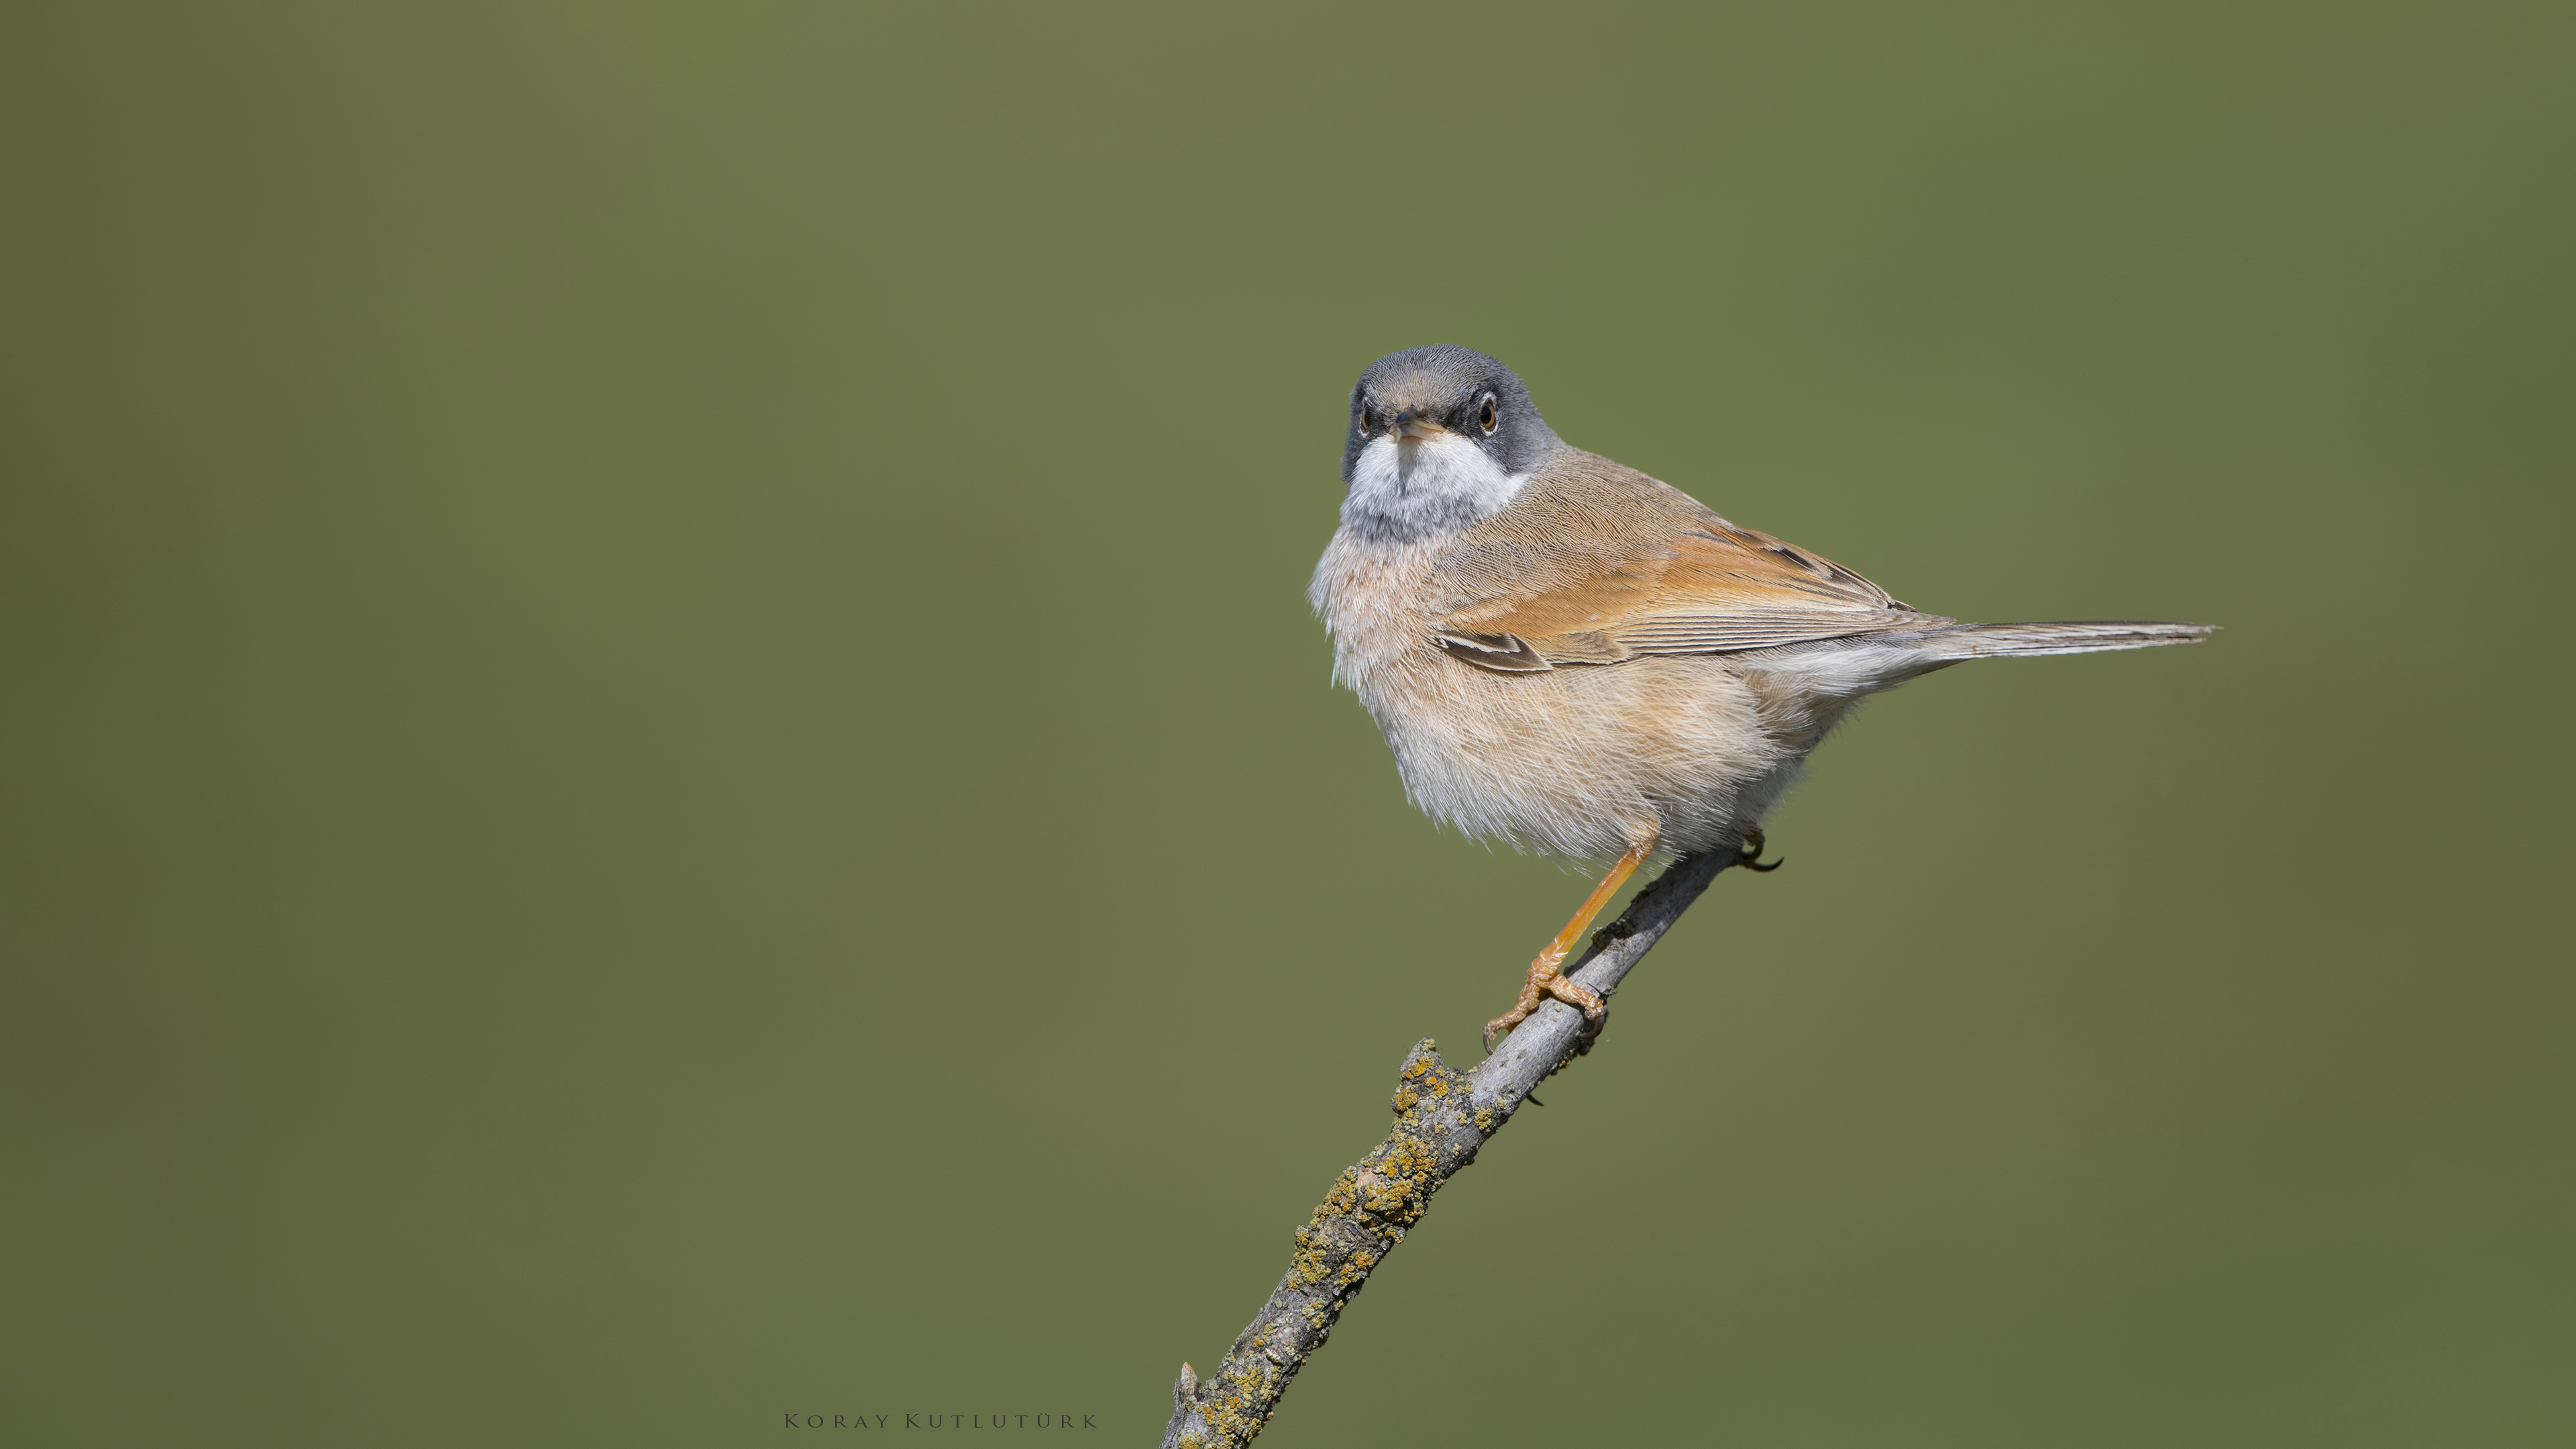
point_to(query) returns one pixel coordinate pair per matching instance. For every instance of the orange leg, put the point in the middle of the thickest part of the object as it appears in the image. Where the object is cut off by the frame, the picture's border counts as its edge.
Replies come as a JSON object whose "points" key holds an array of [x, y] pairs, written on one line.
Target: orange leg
{"points": [[1544, 978]]}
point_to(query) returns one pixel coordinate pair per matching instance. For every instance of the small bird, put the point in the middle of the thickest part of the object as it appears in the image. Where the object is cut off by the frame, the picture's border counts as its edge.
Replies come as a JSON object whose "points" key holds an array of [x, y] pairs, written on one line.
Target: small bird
{"points": [[1574, 658]]}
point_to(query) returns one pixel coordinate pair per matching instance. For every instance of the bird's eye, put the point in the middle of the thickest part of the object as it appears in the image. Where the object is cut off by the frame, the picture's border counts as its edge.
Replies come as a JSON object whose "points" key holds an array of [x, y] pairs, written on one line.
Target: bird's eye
{"points": [[1485, 415], [1364, 422]]}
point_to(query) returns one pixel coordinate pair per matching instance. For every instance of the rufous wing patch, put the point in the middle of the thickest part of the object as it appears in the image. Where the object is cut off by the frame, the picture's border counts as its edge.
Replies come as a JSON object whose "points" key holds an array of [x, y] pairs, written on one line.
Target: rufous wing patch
{"points": [[1598, 563]]}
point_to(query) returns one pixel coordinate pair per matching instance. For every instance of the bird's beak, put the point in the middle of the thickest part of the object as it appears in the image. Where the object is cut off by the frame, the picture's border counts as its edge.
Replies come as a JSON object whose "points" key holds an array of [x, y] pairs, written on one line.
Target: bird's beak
{"points": [[1413, 425]]}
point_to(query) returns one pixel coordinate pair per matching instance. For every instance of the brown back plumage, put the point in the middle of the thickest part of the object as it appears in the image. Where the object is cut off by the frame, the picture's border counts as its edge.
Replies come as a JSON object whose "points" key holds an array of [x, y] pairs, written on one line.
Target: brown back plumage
{"points": [[1593, 562]]}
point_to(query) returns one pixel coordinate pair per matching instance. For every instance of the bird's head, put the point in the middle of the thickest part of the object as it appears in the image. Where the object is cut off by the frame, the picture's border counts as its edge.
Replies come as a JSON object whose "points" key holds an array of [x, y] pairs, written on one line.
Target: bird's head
{"points": [[1439, 438]]}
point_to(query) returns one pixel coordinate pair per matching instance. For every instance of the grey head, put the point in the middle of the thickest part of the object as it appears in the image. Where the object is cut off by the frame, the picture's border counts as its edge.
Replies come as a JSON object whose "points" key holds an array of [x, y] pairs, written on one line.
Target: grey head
{"points": [[1440, 437]]}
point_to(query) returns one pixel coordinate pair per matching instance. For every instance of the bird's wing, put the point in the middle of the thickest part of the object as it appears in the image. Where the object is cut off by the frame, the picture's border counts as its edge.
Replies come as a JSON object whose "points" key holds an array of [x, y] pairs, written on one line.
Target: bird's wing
{"points": [[1593, 563]]}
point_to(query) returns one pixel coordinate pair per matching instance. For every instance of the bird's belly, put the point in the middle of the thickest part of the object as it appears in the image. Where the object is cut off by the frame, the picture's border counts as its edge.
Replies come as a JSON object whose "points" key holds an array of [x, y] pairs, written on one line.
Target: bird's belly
{"points": [[1580, 762]]}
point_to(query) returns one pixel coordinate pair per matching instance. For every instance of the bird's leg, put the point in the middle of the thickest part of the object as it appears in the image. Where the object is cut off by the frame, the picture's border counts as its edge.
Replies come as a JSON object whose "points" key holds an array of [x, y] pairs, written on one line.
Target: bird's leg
{"points": [[1750, 852], [1545, 980]]}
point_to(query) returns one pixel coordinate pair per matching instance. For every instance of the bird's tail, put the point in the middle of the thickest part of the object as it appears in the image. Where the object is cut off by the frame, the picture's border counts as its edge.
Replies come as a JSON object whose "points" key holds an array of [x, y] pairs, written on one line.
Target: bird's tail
{"points": [[1983, 641]]}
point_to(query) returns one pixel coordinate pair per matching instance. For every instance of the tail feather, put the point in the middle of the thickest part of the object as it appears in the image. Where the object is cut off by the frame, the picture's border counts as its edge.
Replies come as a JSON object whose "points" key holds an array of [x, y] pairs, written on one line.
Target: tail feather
{"points": [[1983, 641]]}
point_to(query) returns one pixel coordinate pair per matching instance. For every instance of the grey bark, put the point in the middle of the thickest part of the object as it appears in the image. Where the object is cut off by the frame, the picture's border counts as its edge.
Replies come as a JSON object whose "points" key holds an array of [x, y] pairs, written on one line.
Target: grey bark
{"points": [[1442, 1118]]}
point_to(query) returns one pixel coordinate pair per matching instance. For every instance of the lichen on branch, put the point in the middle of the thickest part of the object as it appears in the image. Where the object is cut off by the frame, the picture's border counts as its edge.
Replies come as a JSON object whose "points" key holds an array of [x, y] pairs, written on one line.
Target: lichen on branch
{"points": [[1442, 1118]]}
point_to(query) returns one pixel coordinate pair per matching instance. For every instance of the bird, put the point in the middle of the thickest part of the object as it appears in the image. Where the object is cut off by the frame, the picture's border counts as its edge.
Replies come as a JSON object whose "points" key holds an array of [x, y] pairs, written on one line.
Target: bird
{"points": [[1570, 657]]}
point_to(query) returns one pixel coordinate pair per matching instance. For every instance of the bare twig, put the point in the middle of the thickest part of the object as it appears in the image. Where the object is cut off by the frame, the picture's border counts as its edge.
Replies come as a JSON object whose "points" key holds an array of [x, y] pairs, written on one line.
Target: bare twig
{"points": [[1442, 1117]]}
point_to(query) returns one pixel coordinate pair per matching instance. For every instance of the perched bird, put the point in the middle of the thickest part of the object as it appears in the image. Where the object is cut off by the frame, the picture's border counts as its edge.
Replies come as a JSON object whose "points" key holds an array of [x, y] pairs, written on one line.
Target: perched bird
{"points": [[1571, 657]]}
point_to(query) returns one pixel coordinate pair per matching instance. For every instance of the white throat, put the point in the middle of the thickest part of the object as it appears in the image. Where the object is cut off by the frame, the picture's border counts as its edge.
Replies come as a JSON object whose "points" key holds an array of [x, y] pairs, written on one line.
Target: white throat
{"points": [[1428, 485]]}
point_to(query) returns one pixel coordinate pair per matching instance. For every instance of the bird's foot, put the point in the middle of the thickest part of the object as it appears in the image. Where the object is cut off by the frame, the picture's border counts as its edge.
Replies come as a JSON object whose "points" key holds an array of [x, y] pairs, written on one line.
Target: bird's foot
{"points": [[1546, 981], [1749, 854]]}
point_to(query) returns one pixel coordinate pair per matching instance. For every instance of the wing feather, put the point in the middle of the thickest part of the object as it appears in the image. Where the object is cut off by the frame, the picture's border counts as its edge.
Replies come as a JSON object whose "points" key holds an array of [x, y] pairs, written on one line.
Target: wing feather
{"points": [[1594, 563]]}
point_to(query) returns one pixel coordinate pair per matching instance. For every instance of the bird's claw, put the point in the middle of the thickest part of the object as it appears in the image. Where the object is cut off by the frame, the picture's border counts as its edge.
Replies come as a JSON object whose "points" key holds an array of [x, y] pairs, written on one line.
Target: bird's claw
{"points": [[1545, 982], [1749, 854]]}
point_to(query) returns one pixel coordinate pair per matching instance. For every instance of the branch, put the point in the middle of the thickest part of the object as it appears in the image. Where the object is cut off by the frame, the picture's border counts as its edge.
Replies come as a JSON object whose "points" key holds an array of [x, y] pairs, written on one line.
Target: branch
{"points": [[1442, 1117]]}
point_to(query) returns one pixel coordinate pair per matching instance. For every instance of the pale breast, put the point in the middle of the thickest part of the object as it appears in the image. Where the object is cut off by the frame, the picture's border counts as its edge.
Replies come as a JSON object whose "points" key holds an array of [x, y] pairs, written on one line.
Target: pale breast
{"points": [[1575, 762]]}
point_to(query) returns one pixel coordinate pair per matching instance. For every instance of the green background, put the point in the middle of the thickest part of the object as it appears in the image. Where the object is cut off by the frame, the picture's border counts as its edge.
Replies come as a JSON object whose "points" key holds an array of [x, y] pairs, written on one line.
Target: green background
{"points": [[664, 762]]}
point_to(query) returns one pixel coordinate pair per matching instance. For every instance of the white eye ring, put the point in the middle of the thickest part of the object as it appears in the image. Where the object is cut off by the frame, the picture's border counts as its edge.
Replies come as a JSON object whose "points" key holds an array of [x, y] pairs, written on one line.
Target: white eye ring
{"points": [[1486, 417]]}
